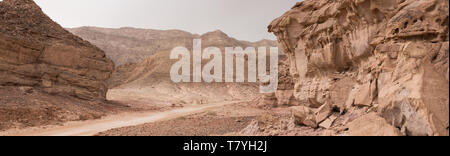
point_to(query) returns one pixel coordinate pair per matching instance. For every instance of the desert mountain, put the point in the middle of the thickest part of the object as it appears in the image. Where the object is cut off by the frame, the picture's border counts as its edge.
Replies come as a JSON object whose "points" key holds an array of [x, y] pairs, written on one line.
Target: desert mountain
{"points": [[384, 62], [47, 74], [133, 45], [130, 45], [144, 64], [38, 52]]}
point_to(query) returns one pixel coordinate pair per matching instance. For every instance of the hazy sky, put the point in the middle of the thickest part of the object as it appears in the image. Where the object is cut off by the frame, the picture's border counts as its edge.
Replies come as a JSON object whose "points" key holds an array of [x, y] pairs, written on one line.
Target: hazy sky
{"points": [[242, 19]]}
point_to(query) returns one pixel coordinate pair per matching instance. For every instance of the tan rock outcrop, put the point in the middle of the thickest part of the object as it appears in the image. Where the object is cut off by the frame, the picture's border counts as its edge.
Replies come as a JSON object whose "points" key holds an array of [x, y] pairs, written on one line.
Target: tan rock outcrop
{"points": [[372, 125], [304, 116], [36, 51], [328, 122], [285, 93], [323, 112], [388, 55]]}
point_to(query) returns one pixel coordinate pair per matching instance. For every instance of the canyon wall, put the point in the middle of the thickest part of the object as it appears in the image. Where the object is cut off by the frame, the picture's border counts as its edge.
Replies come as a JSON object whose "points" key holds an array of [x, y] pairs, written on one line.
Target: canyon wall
{"points": [[388, 57], [37, 52]]}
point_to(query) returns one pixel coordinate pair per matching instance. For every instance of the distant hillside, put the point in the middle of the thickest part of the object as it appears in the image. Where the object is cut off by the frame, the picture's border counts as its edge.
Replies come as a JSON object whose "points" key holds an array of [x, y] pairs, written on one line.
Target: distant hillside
{"points": [[143, 64], [132, 45]]}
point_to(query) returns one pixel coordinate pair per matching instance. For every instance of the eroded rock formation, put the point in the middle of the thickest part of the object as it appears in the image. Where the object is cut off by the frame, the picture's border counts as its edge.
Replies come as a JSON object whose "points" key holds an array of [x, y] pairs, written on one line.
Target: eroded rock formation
{"points": [[389, 57], [37, 52]]}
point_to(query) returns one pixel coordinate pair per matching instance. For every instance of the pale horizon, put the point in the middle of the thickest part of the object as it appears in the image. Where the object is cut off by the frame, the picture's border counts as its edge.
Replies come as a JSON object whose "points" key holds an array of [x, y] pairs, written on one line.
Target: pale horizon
{"points": [[243, 20]]}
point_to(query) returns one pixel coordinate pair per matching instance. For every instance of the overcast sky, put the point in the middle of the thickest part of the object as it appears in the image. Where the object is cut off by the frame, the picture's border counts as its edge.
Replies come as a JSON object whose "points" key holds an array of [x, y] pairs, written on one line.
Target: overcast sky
{"points": [[242, 19]]}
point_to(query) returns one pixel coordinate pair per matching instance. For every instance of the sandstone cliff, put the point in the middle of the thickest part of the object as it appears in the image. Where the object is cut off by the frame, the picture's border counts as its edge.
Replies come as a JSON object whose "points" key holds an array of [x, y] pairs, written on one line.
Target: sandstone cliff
{"points": [[37, 52], [388, 57]]}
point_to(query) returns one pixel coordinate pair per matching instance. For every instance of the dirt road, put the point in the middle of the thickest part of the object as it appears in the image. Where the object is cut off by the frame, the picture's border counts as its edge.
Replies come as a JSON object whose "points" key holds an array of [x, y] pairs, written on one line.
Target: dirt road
{"points": [[92, 127]]}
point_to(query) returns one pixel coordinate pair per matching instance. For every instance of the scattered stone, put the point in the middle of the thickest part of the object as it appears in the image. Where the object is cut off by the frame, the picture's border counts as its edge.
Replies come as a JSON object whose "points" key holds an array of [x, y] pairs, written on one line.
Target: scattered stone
{"points": [[328, 122], [304, 116], [323, 112]]}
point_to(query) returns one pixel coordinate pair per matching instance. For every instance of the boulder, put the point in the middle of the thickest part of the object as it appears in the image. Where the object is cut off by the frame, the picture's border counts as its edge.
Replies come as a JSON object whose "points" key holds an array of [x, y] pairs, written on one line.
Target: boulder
{"points": [[323, 112], [372, 125], [364, 96], [304, 116], [328, 122]]}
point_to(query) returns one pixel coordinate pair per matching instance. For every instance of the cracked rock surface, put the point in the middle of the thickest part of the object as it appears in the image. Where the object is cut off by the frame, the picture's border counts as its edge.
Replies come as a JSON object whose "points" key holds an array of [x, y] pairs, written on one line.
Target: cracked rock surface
{"points": [[387, 57], [35, 51]]}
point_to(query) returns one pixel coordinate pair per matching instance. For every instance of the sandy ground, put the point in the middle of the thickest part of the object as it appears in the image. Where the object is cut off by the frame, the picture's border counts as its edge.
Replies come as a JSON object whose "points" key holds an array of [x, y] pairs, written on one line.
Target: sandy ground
{"points": [[146, 117], [22, 107], [91, 127], [238, 119], [65, 116], [223, 120]]}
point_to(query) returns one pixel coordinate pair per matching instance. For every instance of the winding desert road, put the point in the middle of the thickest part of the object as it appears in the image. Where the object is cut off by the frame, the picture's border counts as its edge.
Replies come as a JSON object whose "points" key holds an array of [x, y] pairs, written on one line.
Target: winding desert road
{"points": [[92, 127]]}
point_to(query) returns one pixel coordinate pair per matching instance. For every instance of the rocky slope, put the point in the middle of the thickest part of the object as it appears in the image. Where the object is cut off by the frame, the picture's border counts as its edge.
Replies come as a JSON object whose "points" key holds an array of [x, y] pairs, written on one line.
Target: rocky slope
{"points": [[382, 65], [47, 75], [152, 76], [133, 45], [144, 64], [35, 51], [158, 61]]}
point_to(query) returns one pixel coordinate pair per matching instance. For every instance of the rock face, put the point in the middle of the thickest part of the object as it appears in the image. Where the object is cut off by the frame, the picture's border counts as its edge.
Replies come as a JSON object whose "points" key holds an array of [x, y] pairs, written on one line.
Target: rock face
{"points": [[284, 96], [389, 56], [37, 52]]}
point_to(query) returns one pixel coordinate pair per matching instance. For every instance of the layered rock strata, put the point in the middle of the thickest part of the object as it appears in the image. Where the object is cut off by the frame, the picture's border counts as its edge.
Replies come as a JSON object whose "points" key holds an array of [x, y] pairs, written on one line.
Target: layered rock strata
{"points": [[35, 51], [388, 56]]}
